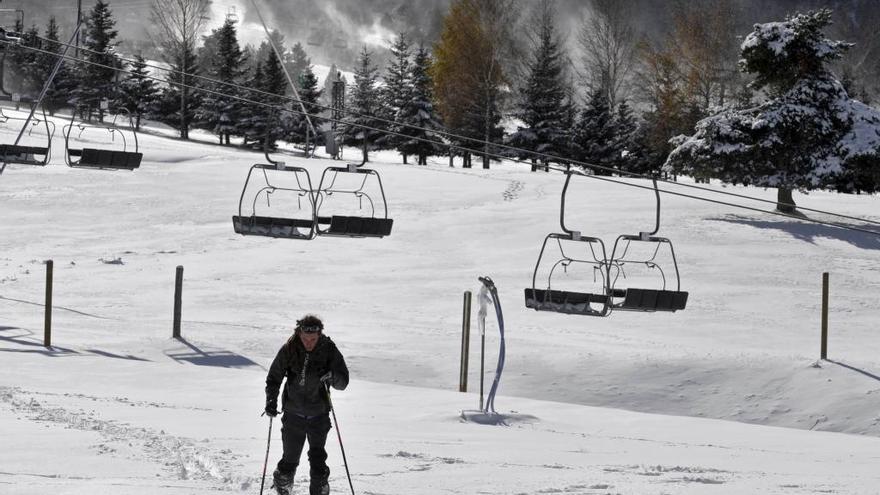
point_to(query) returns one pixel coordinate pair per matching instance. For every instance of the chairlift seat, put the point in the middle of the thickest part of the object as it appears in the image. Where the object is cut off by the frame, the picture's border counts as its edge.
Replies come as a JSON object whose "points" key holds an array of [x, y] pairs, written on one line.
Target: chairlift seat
{"points": [[356, 226], [653, 300], [109, 159], [11, 153], [560, 301], [288, 228]]}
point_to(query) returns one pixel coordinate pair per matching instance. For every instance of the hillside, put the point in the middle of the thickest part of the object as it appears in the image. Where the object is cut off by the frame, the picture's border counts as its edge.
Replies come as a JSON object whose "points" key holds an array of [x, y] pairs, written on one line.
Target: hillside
{"points": [[602, 405]]}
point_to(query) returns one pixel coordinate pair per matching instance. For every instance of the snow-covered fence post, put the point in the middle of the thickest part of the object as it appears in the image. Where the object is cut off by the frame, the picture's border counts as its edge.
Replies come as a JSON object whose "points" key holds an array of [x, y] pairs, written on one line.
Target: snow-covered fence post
{"points": [[178, 301], [465, 342], [824, 353], [47, 328]]}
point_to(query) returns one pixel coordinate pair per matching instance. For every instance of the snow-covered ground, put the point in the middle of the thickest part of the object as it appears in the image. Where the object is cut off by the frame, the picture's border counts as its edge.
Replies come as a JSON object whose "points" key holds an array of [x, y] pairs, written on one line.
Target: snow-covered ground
{"points": [[727, 396]]}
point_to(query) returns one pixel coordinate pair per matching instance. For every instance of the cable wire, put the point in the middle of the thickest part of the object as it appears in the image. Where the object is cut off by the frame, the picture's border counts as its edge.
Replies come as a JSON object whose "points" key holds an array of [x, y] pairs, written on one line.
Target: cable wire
{"points": [[490, 154], [451, 135]]}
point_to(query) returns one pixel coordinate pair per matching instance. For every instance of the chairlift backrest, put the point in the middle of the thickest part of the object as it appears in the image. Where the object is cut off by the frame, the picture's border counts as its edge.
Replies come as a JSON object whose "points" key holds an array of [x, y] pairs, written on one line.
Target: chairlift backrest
{"points": [[127, 158], [28, 154], [352, 225], [271, 224], [610, 268]]}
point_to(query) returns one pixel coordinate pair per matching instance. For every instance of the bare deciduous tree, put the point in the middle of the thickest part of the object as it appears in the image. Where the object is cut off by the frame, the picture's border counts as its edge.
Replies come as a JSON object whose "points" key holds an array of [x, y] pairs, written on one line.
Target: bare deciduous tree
{"points": [[608, 41], [704, 39], [178, 24]]}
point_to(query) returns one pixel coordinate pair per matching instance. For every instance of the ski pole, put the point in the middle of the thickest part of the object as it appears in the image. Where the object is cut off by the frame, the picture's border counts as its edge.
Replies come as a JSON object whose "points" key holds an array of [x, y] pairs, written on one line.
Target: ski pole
{"points": [[339, 436], [266, 462]]}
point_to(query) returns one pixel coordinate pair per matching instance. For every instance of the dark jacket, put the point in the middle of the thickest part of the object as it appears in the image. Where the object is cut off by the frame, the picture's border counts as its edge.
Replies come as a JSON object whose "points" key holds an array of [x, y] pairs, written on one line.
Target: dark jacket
{"points": [[304, 393]]}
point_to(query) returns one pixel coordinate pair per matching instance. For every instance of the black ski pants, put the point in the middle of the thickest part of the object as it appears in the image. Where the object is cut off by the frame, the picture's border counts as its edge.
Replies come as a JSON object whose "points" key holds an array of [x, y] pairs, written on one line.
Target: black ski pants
{"points": [[295, 430]]}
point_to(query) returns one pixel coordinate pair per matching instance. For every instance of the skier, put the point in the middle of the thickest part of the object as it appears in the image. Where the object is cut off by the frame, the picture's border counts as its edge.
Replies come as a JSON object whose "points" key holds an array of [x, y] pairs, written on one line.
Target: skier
{"points": [[311, 362]]}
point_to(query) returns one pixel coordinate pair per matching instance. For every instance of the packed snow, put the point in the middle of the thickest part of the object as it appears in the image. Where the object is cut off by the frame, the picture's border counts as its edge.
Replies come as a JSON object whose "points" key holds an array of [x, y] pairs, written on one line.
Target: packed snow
{"points": [[725, 397]]}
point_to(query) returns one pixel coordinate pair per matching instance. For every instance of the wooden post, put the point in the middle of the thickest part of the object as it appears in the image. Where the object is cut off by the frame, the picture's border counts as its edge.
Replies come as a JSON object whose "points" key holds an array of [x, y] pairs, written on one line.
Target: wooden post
{"points": [[824, 353], [178, 301], [465, 342], [47, 328]]}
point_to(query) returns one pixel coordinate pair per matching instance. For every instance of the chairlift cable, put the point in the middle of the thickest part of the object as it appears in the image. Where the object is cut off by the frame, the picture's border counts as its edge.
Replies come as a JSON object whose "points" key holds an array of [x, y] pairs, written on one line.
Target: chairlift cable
{"points": [[286, 74], [478, 141], [514, 160]]}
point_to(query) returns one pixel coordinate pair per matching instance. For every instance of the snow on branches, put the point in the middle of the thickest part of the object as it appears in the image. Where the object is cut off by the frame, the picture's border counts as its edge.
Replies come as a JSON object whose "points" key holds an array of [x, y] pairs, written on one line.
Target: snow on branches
{"points": [[809, 134]]}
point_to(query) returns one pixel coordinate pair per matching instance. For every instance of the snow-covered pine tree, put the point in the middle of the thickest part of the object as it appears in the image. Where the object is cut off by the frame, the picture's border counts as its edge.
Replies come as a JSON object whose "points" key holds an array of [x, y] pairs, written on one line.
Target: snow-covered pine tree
{"points": [[542, 99], [808, 134], [595, 134], [221, 114], [418, 116], [97, 80], [363, 106], [395, 93], [138, 92]]}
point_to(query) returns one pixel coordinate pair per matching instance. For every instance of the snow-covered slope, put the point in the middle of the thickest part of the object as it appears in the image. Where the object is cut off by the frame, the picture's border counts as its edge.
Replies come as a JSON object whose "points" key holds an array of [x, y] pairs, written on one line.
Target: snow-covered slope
{"points": [[117, 405]]}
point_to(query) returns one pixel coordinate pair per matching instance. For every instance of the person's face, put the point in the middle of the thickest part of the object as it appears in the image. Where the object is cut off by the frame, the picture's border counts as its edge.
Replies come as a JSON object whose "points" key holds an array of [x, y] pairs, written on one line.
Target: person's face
{"points": [[309, 339]]}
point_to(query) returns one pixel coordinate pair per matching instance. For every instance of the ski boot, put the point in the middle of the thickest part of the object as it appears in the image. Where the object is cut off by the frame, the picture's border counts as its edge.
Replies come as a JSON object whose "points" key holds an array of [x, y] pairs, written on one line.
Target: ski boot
{"points": [[319, 487], [282, 482]]}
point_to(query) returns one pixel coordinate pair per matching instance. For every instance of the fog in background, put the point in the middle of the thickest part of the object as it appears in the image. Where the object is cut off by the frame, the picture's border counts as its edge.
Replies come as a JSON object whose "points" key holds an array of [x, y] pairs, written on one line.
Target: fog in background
{"points": [[334, 31]]}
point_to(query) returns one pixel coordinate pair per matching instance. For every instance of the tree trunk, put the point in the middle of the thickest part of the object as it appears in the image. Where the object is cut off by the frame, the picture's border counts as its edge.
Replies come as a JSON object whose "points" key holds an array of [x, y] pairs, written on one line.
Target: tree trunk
{"points": [[183, 133], [404, 159], [785, 201]]}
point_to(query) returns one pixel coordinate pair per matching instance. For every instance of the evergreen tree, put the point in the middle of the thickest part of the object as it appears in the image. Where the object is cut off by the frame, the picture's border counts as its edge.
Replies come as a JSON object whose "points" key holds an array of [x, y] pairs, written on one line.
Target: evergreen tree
{"points": [[569, 123], [628, 153], [542, 99], [97, 79], [138, 92], [178, 103], [364, 105], [25, 58], [254, 119], [417, 115], [64, 82], [297, 61], [809, 134], [596, 134], [218, 113], [307, 87], [396, 92]]}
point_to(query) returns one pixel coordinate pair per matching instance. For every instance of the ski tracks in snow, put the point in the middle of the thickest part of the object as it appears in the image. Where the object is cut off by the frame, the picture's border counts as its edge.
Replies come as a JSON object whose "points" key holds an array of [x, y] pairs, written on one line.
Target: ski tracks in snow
{"points": [[180, 457]]}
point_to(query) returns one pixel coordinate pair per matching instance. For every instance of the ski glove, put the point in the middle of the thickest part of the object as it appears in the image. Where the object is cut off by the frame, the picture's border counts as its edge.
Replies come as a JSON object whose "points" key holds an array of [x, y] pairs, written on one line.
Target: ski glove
{"points": [[327, 378], [272, 408]]}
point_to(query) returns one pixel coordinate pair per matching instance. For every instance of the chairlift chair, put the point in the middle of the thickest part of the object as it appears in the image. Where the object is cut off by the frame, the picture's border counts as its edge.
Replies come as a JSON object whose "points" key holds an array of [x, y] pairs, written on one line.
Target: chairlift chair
{"points": [[340, 43], [348, 225], [11, 34], [593, 257], [664, 297], [103, 158], [23, 154], [316, 37], [275, 225]]}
